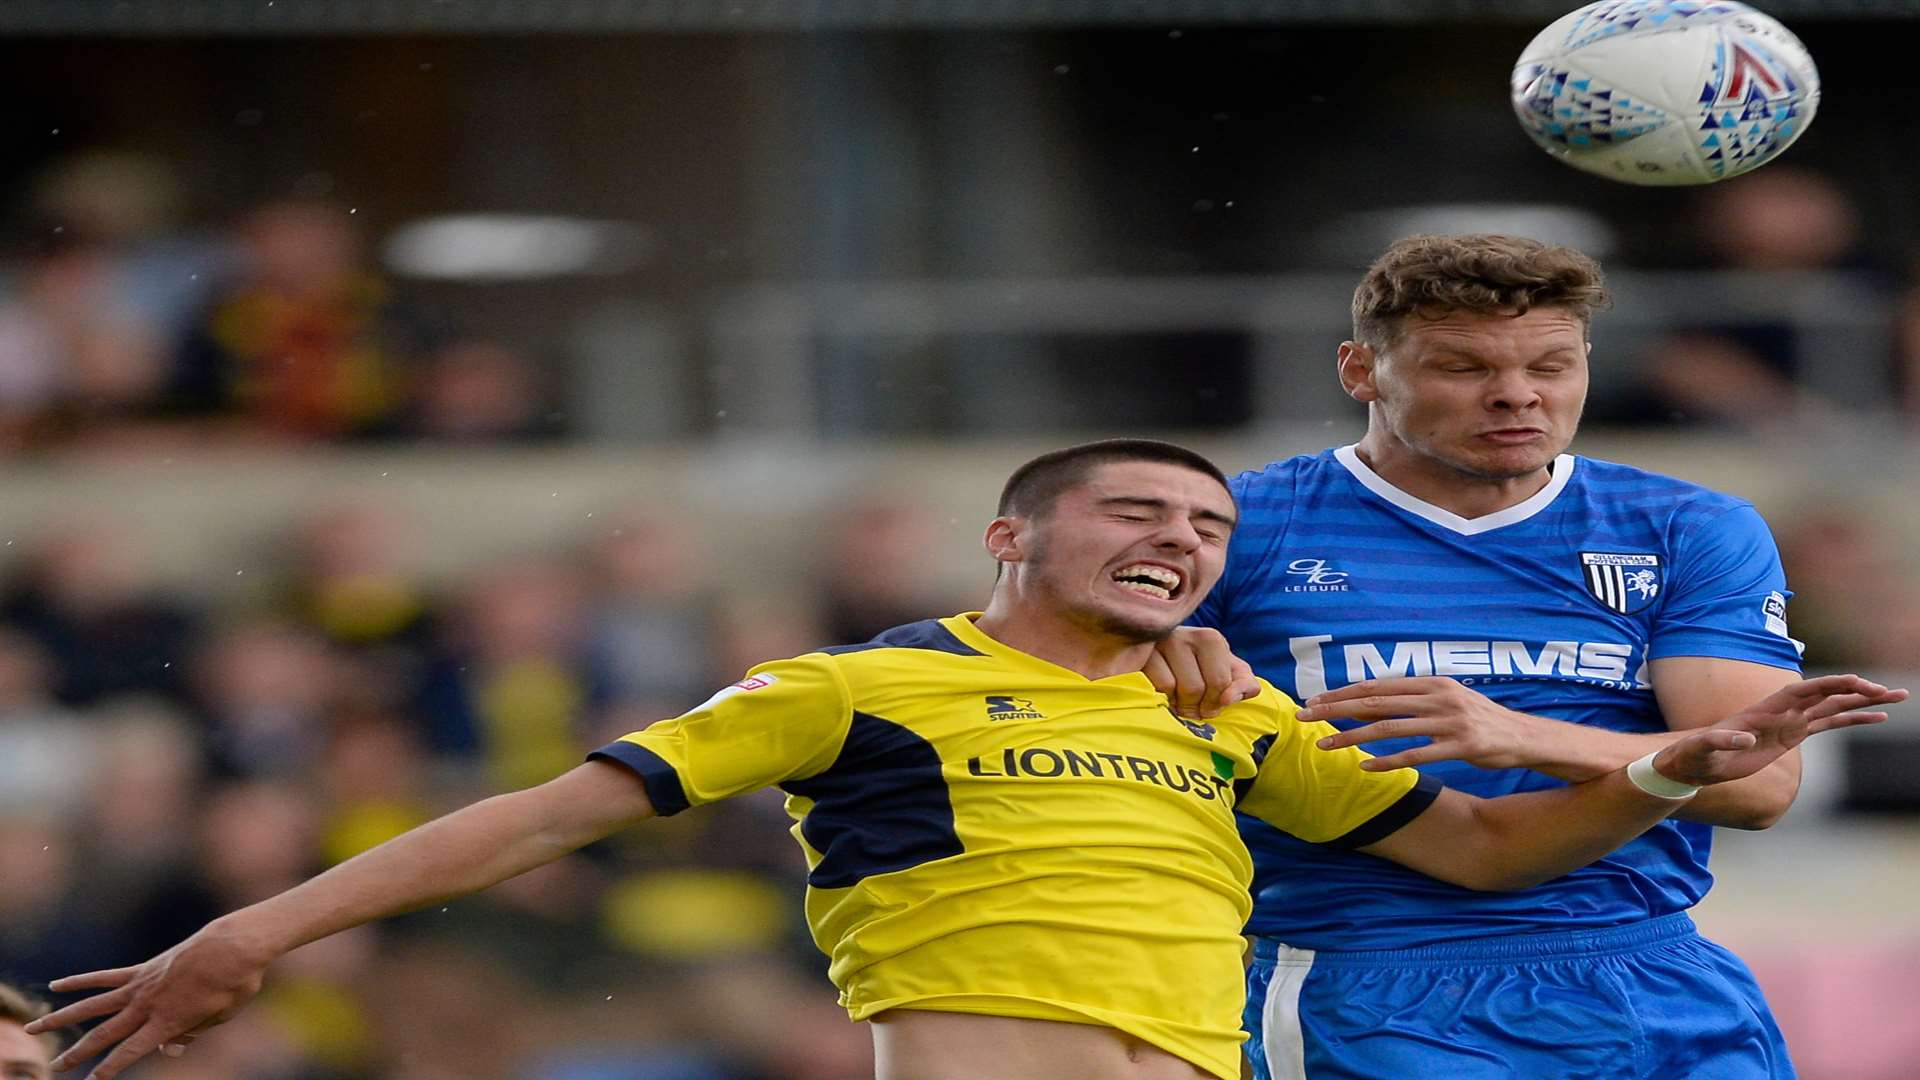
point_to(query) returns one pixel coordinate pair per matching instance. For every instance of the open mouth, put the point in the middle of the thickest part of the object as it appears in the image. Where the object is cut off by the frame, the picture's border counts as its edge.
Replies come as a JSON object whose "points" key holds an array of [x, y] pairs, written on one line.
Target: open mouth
{"points": [[1146, 579]]}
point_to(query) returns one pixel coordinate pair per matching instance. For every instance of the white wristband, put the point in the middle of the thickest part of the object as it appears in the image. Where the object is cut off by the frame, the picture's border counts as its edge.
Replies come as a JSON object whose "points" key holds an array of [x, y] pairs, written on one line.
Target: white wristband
{"points": [[1648, 779]]}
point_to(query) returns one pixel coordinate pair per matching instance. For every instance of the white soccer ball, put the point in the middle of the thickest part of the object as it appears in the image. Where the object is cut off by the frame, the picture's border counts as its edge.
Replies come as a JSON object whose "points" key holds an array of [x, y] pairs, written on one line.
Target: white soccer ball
{"points": [[1665, 91]]}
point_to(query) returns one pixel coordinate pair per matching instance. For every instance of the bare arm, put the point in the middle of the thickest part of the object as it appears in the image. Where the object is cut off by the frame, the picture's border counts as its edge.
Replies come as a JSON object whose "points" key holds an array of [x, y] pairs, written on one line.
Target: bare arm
{"points": [[211, 975], [1696, 692], [1516, 841], [1693, 692]]}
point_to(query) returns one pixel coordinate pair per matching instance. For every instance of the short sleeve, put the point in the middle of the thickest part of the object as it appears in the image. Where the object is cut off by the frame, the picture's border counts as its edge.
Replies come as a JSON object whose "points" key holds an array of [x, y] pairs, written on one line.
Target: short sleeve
{"points": [[1324, 796], [785, 720], [1727, 595]]}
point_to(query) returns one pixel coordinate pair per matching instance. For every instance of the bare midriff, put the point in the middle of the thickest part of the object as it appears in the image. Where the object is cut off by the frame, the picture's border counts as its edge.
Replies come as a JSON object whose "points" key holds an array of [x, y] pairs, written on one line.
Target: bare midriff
{"points": [[916, 1044]]}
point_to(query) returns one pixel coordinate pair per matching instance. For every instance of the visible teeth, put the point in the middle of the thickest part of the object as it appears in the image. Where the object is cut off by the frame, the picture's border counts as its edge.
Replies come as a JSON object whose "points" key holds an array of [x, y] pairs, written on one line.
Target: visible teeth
{"points": [[1152, 580]]}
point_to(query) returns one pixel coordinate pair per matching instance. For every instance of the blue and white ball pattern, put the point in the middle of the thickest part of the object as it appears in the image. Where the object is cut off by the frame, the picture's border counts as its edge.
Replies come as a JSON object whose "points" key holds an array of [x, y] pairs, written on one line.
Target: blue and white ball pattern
{"points": [[1665, 91]]}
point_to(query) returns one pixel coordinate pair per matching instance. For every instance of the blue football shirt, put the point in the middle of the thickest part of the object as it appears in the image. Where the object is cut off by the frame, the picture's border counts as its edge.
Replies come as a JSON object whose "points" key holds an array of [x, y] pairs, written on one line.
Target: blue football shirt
{"points": [[1551, 607]]}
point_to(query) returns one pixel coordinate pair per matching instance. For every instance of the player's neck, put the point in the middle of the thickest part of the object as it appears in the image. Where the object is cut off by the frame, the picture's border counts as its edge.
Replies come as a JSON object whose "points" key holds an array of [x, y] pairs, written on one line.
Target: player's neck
{"points": [[1449, 489], [1060, 641]]}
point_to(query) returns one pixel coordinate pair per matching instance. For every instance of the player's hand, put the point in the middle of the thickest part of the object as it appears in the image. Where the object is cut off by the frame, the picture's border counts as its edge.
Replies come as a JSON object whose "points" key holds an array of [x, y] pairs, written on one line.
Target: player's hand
{"points": [[159, 1005], [1758, 735], [1198, 672], [1463, 724]]}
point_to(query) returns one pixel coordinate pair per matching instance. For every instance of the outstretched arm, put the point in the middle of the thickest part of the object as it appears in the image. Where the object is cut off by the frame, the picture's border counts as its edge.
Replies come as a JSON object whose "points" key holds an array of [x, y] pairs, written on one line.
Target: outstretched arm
{"points": [[1517, 841], [207, 978], [1693, 693]]}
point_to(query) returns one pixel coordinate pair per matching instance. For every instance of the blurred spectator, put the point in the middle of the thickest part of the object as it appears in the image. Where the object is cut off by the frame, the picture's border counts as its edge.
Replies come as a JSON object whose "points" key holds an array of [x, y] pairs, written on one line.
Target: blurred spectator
{"points": [[1744, 375], [1715, 379], [1780, 218], [46, 927], [86, 595], [354, 575], [309, 342], [315, 1010], [656, 615], [252, 839], [266, 695], [444, 1012], [256, 839], [1843, 565], [1906, 374], [132, 204], [556, 906], [476, 391], [354, 579], [879, 569], [74, 351], [768, 627], [47, 753], [374, 782], [512, 684], [141, 807]]}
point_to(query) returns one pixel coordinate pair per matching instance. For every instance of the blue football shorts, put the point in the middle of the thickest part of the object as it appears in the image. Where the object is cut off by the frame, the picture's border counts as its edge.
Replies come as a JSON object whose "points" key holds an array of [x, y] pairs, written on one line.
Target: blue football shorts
{"points": [[1648, 1001]]}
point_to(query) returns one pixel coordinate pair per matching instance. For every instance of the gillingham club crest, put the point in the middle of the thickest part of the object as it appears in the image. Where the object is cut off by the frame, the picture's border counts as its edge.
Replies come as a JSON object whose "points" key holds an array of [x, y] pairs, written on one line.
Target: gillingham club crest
{"points": [[1623, 582]]}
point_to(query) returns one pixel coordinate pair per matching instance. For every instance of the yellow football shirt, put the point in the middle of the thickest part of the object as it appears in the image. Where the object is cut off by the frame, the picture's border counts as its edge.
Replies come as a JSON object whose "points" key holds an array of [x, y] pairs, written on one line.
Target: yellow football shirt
{"points": [[987, 832]]}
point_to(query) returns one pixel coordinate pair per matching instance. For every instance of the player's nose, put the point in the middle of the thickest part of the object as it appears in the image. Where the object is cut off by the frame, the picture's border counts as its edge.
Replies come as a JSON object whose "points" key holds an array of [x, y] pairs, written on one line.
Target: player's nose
{"points": [[1179, 533], [1512, 392]]}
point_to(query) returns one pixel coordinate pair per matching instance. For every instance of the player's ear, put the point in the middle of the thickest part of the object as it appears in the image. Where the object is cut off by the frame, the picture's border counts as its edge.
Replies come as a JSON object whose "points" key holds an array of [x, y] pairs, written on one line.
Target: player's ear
{"points": [[1003, 539], [1356, 363]]}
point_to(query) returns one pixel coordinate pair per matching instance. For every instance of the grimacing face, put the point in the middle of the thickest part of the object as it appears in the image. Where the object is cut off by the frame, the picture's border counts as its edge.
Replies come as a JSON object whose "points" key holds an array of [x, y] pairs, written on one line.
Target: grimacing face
{"points": [[1132, 551], [1493, 397]]}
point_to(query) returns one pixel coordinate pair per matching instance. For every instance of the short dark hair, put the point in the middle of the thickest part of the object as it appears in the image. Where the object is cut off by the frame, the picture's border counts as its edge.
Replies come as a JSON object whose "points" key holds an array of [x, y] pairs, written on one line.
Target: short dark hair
{"points": [[1033, 487], [1481, 272], [21, 1009]]}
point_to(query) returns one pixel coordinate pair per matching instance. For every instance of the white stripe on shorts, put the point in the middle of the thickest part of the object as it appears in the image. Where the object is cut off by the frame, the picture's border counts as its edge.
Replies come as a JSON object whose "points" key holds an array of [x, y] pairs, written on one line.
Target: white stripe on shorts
{"points": [[1280, 1015]]}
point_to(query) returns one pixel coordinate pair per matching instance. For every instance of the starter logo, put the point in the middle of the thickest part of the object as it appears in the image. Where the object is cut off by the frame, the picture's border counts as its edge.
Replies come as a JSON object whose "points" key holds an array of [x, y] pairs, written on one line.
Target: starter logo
{"points": [[1001, 707]]}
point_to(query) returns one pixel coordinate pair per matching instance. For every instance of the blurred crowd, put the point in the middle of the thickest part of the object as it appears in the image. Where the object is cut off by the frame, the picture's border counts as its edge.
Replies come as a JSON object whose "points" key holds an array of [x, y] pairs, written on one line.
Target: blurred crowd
{"points": [[1778, 236], [121, 327], [127, 322], [163, 761]]}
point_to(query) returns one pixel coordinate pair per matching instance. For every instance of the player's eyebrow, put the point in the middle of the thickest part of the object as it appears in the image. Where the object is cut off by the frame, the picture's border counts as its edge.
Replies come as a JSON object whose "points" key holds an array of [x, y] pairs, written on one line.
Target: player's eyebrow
{"points": [[1149, 503]]}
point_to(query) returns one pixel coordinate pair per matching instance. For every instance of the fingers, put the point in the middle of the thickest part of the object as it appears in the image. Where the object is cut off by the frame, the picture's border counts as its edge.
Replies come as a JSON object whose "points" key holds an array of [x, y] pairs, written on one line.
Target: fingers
{"points": [[1713, 755], [93, 980], [1225, 674], [1424, 684], [1844, 720], [136, 1046], [1839, 703], [1183, 673], [1158, 673], [1241, 690], [1374, 732], [1829, 685], [95, 1042], [1716, 739], [1419, 755], [1370, 707], [80, 1011]]}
